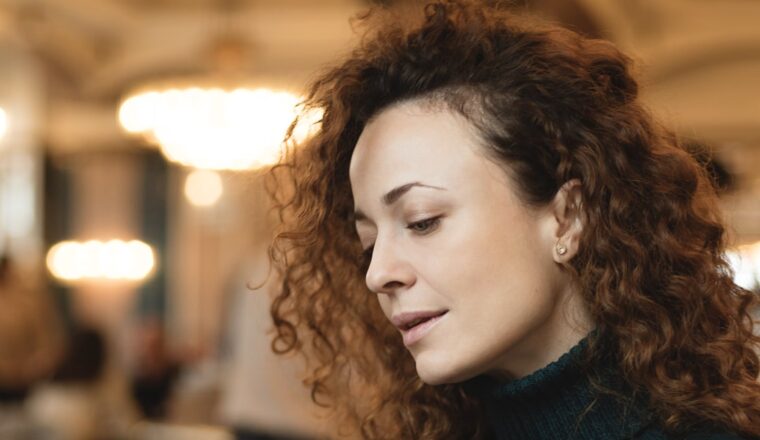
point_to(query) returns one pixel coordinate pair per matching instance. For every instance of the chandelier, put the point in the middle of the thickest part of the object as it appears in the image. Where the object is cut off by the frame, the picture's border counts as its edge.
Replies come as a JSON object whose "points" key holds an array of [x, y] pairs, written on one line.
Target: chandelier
{"points": [[213, 127]]}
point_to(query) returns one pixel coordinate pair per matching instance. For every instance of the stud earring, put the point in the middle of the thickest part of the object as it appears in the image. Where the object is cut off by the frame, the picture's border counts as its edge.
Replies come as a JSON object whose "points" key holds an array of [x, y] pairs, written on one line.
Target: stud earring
{"points": [[561, 249]]}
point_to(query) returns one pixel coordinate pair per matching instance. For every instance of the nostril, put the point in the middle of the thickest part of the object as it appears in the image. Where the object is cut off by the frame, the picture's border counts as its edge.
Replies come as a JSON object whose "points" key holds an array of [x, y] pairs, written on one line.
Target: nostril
{"points": [[393, 285]]}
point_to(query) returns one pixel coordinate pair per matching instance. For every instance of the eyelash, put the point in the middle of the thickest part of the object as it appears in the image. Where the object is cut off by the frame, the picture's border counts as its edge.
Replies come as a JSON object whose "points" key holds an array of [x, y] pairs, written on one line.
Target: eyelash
{"points": [[429, 223]]}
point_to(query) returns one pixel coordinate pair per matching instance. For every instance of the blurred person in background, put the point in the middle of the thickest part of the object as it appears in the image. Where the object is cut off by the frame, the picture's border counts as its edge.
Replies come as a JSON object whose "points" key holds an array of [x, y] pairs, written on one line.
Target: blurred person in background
{"points": [[67, 404], [156, 370], [31, 345], [80, 403], [490, 237]]}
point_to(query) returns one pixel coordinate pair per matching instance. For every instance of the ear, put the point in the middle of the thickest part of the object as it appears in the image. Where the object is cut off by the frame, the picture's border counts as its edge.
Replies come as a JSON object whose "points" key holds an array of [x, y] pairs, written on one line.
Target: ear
{"points": [[567, 211]]}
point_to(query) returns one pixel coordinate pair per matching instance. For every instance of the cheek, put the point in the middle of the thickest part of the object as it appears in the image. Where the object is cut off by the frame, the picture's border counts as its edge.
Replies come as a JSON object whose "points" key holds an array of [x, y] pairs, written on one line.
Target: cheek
{"points": [[491, 260], [385, 305]]}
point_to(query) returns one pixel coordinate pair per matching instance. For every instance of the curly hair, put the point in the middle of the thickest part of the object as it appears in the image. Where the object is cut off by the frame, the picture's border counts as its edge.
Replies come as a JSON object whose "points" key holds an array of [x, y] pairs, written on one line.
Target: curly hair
{"points": [[551, 106]]}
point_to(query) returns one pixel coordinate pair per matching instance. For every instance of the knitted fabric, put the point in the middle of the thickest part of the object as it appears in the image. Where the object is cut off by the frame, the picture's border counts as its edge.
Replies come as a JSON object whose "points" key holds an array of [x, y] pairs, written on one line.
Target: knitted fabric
{"points": [[554, 403]]}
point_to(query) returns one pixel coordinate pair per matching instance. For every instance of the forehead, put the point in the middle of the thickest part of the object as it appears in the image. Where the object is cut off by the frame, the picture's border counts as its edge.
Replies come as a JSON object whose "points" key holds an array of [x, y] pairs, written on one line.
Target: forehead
{"points": [[413, 141]]}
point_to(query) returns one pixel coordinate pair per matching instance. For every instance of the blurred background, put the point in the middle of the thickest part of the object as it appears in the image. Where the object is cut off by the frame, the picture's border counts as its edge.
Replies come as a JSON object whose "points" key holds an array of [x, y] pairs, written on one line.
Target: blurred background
{"points": [[133, 222]]}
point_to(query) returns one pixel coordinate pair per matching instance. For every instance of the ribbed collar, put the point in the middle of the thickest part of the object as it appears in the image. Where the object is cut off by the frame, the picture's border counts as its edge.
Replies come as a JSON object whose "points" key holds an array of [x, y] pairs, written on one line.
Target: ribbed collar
{"points": [[548, 403]]}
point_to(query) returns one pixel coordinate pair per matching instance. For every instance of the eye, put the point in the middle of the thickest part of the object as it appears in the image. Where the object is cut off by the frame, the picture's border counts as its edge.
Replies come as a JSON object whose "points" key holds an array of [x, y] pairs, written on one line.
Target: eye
{"points": [[424, 226]]}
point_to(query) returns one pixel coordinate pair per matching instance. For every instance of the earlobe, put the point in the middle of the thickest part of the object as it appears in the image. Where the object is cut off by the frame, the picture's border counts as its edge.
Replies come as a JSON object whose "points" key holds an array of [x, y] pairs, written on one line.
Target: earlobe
{"points": [[561, 249]]}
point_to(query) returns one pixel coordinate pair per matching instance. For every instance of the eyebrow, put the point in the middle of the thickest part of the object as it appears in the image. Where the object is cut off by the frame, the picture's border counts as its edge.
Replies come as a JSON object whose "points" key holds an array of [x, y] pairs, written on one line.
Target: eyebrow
{"points": [[393, 195]]}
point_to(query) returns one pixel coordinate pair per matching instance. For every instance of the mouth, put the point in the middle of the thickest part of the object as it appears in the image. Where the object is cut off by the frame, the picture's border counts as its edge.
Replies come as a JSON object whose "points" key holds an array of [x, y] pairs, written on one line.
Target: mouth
{"points": [[414, 325]]}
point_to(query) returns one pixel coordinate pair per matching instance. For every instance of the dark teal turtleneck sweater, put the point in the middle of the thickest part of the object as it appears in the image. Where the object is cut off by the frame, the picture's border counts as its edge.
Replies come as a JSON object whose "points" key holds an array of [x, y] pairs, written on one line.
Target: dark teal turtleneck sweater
{"points": [[548, 403]]}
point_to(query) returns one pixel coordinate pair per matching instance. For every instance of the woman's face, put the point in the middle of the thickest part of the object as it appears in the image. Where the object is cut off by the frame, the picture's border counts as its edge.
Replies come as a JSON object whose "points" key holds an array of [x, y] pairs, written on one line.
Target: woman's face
{"points": [[459, 265]]}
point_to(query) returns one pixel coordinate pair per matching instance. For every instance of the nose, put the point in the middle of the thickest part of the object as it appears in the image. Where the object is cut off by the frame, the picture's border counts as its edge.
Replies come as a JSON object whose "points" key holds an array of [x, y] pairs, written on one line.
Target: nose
{"points": [[389, 269]]}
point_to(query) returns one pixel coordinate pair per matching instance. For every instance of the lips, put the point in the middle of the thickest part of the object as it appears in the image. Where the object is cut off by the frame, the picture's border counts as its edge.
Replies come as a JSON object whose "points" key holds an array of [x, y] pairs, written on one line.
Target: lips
{"points": [[415, 325]]}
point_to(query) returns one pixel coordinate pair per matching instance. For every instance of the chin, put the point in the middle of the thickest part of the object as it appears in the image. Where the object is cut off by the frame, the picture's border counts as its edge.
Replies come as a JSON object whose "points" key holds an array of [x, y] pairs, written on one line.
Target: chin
{"points": [[441, 371], [434, 379]]}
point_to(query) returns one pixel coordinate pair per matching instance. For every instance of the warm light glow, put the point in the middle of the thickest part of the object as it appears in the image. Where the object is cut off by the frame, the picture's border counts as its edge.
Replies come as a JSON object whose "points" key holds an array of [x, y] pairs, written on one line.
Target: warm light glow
{"points": [[97, 260], [215, 128], [203, 187], [745, 261], [3, 122]]}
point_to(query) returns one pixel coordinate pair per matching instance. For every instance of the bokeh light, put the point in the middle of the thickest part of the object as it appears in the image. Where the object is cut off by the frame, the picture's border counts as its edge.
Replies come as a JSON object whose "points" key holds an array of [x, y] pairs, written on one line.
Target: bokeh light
{"points": [[3, 122], [212, 128], [203, 187], [101, 260], [745, 262]]}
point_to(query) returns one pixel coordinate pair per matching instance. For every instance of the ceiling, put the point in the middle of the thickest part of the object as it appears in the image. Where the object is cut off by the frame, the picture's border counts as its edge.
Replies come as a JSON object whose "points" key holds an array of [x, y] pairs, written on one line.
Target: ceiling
{"points": [[699, 60]]}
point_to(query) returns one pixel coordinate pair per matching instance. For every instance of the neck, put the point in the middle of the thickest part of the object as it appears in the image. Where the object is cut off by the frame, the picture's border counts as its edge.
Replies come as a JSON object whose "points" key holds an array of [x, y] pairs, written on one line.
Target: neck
{"points": [[567, 325]]}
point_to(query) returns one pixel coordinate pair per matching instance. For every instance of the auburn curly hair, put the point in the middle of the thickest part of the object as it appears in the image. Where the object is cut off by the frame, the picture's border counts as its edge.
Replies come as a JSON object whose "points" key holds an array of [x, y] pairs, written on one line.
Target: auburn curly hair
{"points": [[552, 106]]}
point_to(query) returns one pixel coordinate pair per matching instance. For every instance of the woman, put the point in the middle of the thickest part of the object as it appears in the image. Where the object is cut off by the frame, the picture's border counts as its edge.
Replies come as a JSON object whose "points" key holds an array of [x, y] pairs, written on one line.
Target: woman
{"points": [[489, 236]]}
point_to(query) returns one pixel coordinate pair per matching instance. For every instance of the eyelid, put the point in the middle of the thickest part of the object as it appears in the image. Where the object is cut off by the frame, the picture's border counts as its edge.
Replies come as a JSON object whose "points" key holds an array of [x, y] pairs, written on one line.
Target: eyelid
{"points": [[433, 221]]}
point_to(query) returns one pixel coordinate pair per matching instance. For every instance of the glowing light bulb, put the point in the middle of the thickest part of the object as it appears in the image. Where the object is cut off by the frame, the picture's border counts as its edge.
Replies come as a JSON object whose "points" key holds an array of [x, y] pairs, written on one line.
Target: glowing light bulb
{"points": [[203, 187], [73, 261]]}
